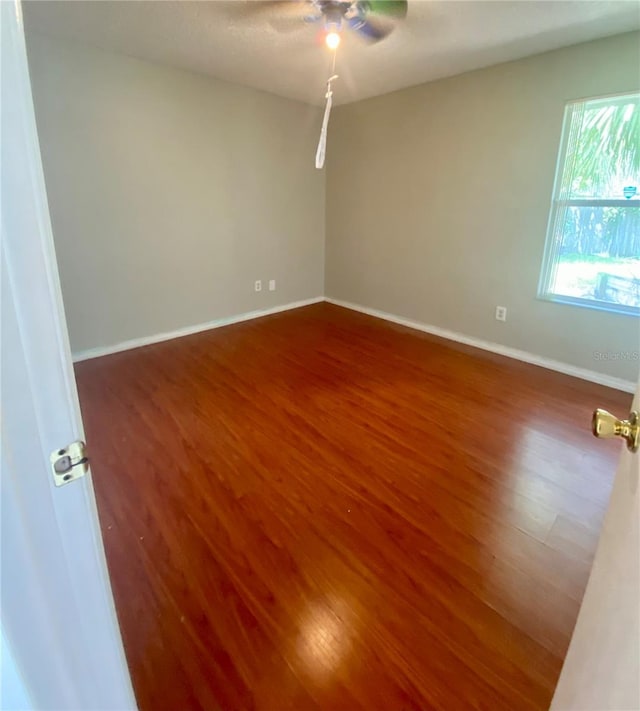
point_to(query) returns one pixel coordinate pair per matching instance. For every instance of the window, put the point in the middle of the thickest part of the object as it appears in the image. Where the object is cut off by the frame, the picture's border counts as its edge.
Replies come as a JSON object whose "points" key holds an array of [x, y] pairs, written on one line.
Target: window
{"points": [[592, 255]]}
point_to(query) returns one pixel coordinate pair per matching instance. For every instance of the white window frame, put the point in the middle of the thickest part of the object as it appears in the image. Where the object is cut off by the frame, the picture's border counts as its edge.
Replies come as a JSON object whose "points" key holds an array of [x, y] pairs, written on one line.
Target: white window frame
{"points": [[558, 203]]}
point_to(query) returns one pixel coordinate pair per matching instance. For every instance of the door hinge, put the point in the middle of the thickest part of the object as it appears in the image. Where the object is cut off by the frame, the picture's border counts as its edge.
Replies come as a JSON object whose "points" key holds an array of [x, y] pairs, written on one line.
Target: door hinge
{"points": [[69, 463]]}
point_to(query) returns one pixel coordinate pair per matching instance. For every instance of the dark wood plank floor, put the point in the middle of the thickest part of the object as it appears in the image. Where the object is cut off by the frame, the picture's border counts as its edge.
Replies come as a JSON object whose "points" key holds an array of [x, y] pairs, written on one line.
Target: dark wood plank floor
{"points": [[321, 510]]}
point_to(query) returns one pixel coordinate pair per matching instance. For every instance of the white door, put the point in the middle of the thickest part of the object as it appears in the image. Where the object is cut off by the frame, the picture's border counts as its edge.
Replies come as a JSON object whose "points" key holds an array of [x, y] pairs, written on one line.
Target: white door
{"points": [[602, 669], [60, 636]]}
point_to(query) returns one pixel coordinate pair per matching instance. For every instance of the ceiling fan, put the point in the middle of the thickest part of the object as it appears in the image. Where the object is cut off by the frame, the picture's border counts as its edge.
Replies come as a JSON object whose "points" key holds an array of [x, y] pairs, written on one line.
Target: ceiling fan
{"points": [[372, 20]]}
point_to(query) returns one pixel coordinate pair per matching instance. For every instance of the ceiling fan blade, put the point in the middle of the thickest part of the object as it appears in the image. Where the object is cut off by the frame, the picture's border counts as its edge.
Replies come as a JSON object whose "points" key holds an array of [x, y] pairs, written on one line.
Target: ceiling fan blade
{"points": [[370, 28], [295, 9], [389, 8], [290, 23], [282, 15]]}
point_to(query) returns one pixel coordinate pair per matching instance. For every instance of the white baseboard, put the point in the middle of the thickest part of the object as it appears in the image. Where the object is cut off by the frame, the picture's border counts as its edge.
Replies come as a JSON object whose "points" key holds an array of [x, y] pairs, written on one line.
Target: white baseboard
{"points": [[189, 330], [583, 373], [591, 375]]}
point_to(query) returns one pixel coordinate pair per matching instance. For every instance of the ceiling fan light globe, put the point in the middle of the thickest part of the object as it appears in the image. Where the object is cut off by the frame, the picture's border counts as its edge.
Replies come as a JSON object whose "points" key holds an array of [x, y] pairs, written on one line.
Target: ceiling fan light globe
{"points": [[332, 40]]}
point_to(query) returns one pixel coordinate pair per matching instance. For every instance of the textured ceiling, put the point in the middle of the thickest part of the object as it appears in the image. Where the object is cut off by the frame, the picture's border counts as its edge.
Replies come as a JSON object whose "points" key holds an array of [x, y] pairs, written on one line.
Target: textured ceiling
{"points": [[232, 41]]}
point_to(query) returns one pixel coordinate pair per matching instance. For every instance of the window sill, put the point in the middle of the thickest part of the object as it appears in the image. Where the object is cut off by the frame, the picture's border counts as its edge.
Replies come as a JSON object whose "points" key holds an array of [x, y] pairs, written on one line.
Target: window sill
{"points": [[589, 304]]}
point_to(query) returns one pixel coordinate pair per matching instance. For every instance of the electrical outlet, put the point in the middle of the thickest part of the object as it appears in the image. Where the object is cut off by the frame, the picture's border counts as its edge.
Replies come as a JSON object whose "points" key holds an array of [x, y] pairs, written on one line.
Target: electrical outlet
{"points": [[272, 284], [501, 313], [258, 285]]}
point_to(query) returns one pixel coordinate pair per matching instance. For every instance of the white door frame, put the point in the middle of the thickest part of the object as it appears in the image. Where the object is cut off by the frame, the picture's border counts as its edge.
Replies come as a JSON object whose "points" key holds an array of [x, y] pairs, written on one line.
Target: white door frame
{"points": [[58, 614]]}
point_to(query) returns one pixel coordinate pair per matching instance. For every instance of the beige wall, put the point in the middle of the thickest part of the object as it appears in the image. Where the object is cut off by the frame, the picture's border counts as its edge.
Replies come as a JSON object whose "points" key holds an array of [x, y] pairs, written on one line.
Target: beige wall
{"points": [[438, 198], [171, 193]]}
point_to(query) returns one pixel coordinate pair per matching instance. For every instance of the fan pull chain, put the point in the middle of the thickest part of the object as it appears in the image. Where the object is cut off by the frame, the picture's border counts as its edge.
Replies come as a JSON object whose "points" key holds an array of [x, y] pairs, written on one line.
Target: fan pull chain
{"points": [[322, 144]]}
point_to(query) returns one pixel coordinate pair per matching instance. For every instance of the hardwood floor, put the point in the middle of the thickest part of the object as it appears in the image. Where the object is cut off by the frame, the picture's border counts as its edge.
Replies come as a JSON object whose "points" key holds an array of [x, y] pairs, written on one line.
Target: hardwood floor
{"points": [[321, 510]]}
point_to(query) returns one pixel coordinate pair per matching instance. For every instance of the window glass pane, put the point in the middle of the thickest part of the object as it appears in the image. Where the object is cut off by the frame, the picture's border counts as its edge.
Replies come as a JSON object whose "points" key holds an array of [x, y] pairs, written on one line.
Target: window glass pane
{"points": [[598, 254], [603, 156], [593, 242]]}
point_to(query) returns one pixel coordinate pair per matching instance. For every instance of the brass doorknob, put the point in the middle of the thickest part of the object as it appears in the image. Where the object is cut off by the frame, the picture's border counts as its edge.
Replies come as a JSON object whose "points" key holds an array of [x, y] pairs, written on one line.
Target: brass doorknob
{"points": [[605, 425]]}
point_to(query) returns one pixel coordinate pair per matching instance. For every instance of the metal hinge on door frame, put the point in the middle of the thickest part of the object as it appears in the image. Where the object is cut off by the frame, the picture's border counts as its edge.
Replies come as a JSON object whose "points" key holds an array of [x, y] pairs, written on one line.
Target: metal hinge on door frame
{"points": [[69, 463]]}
